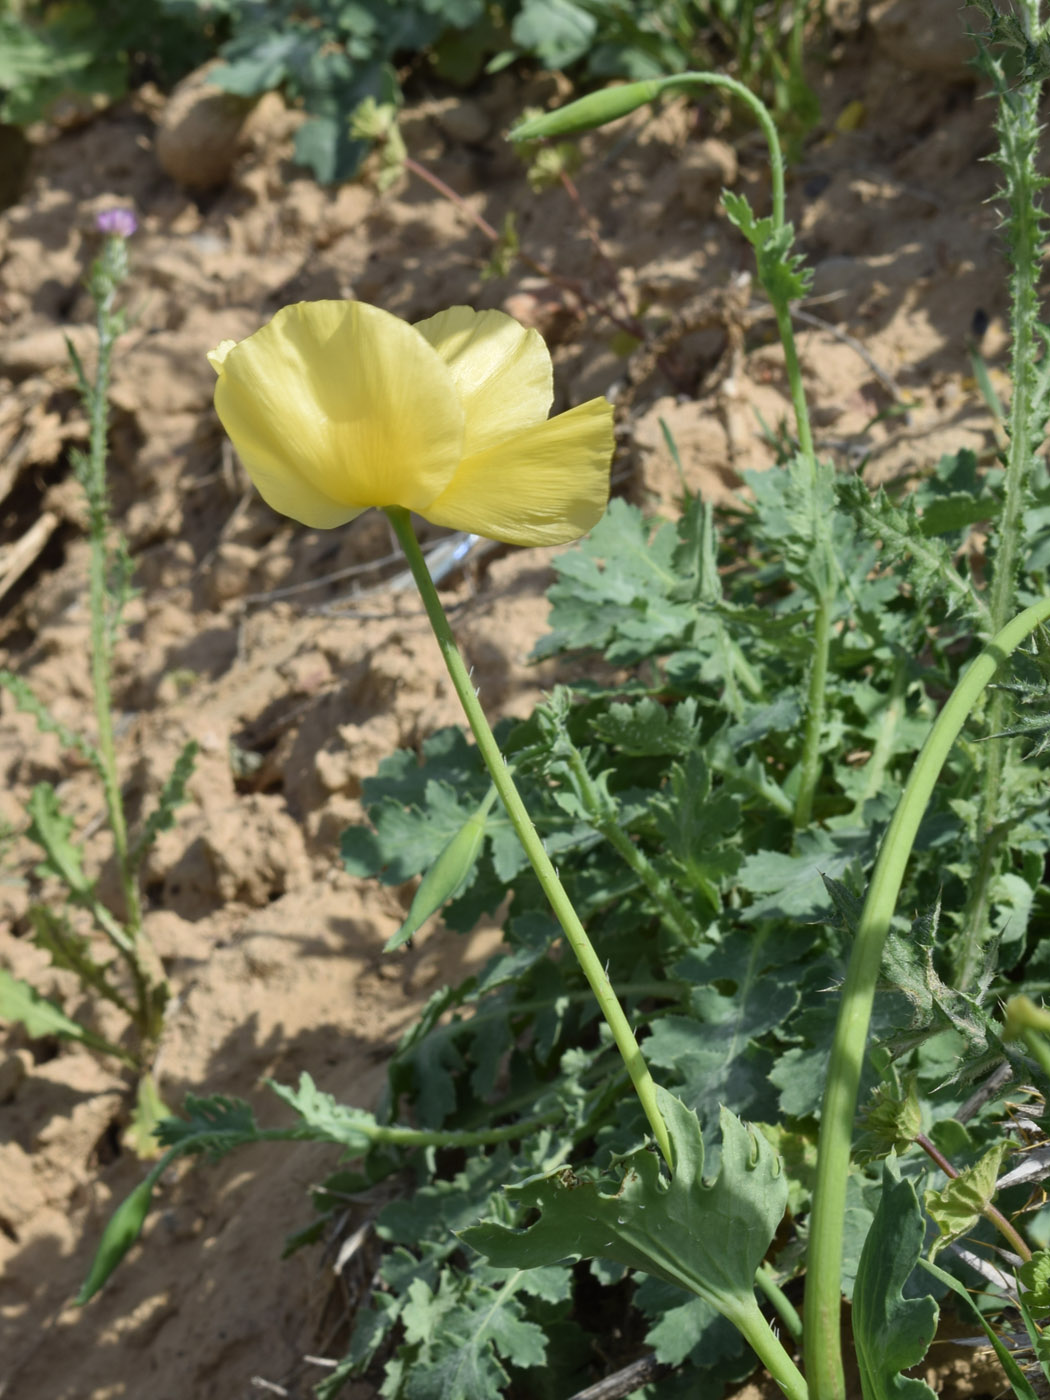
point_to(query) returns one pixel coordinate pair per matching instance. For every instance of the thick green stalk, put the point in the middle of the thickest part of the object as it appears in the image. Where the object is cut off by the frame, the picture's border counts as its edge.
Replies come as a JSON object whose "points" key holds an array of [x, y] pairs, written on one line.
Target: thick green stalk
{"points": [[575, 933], [822, 1322], [1019, 132]]}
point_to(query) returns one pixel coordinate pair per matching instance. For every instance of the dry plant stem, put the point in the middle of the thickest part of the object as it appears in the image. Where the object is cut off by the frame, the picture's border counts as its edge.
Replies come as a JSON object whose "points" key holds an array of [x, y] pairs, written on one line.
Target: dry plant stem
{"points": [[630, 324], [822, 1313], [575, 933], [990, 1212]]}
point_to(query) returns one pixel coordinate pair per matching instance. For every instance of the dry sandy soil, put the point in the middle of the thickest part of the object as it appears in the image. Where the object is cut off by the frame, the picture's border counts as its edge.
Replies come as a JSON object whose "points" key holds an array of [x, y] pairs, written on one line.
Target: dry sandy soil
{"points": [[272, 951]]}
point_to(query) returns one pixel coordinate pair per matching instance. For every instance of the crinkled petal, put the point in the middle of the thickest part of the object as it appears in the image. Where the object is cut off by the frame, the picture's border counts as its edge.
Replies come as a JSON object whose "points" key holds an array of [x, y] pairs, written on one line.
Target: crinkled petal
{"points": [[502, 372], [335, 406], [548, 485]]}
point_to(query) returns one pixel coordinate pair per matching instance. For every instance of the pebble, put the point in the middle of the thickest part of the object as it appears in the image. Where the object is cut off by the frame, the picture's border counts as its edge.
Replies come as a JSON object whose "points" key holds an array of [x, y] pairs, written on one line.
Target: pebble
{"points": [[927, 38]]}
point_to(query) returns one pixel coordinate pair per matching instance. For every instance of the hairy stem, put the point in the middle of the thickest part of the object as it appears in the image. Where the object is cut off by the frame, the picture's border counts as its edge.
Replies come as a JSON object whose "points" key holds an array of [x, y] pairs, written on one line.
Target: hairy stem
{"points": [[106, 277], [590, 963], [782, 1304]]}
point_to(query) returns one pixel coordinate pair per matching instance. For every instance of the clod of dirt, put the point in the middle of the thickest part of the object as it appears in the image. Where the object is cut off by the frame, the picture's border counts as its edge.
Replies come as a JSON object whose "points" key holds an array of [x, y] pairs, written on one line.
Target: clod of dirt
{"points": [[462, 120], [927, 38], [199, 132], [703, 172], [15, 151]]}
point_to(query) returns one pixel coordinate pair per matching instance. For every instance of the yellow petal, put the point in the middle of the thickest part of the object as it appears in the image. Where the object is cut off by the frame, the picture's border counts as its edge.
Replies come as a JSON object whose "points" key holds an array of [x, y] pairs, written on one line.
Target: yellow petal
{"points": [[548, 485], [502, 372], [217, 357], [335, 406]]}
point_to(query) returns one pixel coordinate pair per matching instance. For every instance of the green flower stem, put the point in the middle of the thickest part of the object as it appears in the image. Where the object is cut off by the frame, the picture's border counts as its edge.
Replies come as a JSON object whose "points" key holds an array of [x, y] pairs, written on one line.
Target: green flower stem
{"points": [[595, 110], [677, 915], [759, 111], [822, 1321], [581, 945], [1019, 145], [783, 1305]]}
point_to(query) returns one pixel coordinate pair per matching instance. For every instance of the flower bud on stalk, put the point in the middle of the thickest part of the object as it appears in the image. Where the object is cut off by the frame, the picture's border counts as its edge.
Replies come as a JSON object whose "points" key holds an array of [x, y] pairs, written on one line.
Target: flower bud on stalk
{"points": [[592, 111]]}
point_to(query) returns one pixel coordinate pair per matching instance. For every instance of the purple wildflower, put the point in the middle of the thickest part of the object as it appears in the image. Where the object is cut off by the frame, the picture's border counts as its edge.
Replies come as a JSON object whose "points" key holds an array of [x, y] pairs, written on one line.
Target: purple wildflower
{"points": [[120, 222]]}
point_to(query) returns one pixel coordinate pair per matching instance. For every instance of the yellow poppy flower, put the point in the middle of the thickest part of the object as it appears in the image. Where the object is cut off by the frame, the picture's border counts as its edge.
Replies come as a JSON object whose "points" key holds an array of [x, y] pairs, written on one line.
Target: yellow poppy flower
{"points": [[336, 406]]}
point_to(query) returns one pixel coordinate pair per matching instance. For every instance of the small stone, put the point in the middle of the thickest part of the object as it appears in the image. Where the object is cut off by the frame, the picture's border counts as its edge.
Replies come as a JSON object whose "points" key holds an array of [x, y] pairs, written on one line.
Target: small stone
{"points": [[464, 122], [926, 38], [200, 130], [333, 770], [13, 1069], [43, 350], [230, 572]]}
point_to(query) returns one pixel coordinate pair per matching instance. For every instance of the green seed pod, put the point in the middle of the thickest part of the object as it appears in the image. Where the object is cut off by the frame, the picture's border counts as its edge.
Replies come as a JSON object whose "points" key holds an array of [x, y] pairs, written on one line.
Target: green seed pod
{"points": [[448, 873], [595, 109], [124, 1228]]}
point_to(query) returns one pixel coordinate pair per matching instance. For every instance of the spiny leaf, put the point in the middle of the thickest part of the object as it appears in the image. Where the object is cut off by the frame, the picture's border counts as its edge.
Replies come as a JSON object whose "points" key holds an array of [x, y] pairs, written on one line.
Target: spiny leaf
{"points": [[50, 828], [892, 1332], [172, 795], [698, 827], [615, 590], [28, 703], [213, 1125], [706, 1237], [647, 728], [793, 885], [325, 1120], [933, 572], [715, 1051]]}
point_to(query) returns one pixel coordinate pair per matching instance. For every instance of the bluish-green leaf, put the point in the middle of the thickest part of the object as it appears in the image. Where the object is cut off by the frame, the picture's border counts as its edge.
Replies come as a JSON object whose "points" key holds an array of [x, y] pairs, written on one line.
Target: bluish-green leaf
{"points": [[706, 1237], [891, 1332]]}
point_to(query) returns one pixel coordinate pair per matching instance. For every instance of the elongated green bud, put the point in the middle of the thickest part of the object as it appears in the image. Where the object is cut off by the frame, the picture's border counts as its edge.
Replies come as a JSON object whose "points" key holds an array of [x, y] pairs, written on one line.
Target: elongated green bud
{"points": [[595, 109], [1022, 1015], [448, 873], [124, 1228]]}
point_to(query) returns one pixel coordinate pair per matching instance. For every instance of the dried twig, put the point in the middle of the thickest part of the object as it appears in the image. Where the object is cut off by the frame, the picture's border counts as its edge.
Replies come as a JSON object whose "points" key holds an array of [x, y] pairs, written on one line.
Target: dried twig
{"points": [[624, 1381], [16, 558]]}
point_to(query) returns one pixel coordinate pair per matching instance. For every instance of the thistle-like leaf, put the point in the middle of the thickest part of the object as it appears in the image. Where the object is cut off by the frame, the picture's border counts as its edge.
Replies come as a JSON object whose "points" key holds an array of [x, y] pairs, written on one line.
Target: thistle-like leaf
{"points": [[706, 1237]]}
